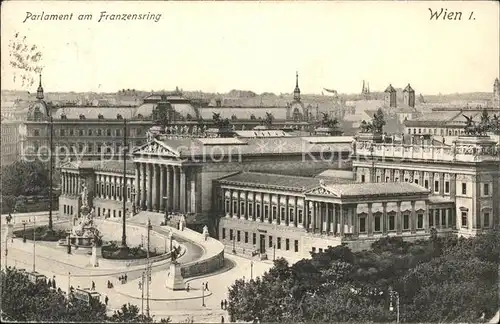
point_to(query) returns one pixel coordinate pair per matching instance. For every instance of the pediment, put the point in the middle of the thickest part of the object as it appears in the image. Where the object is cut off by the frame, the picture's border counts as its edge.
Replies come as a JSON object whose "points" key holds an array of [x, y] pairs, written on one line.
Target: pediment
{"points": [[156, 148], [323, 191]]}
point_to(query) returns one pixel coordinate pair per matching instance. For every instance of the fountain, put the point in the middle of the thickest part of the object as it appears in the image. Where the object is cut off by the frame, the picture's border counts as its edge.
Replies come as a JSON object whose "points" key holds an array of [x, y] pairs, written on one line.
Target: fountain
{"points": [[84, 234]]}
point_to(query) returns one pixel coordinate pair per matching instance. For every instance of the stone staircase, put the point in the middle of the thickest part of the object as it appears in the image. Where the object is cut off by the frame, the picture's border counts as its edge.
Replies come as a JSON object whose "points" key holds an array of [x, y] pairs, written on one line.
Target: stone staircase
{"points": [[143, 216]]}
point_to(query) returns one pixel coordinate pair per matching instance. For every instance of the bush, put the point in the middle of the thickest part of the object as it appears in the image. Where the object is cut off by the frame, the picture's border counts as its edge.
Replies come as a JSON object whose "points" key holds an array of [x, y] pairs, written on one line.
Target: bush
{"points": [[41, 234], [113, 252]]}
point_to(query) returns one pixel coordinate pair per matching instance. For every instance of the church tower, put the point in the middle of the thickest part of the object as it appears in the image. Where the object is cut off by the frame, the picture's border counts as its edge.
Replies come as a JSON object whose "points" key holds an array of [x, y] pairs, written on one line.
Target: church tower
{"points": [[409, 96], [496, 93], [390, 96], [296, 91], [39, 91]]}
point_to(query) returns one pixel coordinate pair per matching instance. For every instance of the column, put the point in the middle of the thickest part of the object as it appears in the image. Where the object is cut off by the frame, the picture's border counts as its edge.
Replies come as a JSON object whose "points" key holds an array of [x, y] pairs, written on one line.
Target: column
{"points": [[261, 207], [453, 186], [341, 225], [162, 188], [413, 218], [168, 188], [313, 216], [334, 220], [370, 221], [354, 218], [287, 212], [295, 212], [441, 184], [176, 188], [143, 178], [149, 187], [398, 218], [385, 221], [154, 187], [137, 183], [183, 190], [426, 217]]}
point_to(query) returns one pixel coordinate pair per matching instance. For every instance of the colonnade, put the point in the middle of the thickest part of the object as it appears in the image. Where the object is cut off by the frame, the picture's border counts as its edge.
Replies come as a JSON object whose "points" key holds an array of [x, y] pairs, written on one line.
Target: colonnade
{"points": [[70, 183], [110, 186], [164, 187]]}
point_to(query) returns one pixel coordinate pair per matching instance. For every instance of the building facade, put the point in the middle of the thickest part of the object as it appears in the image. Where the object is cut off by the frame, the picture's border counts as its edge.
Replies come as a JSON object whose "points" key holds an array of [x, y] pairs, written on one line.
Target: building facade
{"points": [[464, 176], [10, 141]]}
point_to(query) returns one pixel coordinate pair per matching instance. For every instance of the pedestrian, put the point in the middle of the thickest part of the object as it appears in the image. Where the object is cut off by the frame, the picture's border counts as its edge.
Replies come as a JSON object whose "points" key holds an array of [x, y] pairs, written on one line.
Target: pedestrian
{"points": [[54, 283], [93, 285], [125, 278], [188, 287], [206, 286], [222, 319], [109, 284], [221, 304], [106, 300], [225, 304], [140, 285]]}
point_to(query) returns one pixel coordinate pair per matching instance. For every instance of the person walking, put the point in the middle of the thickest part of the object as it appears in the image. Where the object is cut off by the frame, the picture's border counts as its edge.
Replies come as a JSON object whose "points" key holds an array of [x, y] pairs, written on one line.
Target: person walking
{"points": [[106, 300], [222, 319], [206, 286], [125, 277], [93, 285], [140, 285], [54, 282], [221, 304], [225, 304]]}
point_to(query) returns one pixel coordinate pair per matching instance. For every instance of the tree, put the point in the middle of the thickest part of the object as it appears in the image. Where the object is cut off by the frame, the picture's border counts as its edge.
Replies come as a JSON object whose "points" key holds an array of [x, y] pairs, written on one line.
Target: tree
{"points": [[25, 178]]}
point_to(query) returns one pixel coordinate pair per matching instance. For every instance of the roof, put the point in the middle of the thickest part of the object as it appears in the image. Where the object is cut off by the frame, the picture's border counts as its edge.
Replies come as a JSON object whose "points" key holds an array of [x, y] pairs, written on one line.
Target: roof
{"points": [[261, 133], [390, 88], [439, 200], [189, 147], [107, 166], [408, 88], [270, 180], [433, 118], [375, 188], [93, 112], [242, 113], [332, 173]]}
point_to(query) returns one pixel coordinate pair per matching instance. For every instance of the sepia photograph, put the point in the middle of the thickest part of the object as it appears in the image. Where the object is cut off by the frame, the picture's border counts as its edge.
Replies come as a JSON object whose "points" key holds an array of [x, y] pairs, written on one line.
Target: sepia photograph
{"points": [[250, 161]]}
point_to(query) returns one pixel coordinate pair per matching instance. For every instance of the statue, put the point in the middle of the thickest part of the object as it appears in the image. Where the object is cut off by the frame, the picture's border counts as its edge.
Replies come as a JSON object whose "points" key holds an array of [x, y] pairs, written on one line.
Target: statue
{"points": [[174, 254], [205, 232], [84, 194], [195, 130], [365, 127], [378, 122]]}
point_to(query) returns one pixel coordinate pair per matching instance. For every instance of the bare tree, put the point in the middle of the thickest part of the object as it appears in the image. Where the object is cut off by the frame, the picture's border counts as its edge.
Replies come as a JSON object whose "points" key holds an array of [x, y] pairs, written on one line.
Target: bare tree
{"points": [[25, 58]]}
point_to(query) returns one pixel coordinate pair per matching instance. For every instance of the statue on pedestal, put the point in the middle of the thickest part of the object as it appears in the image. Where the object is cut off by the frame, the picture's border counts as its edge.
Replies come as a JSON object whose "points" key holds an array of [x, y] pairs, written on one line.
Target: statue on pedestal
{"points": [[182, 223], [175, 281], [205, 232]]}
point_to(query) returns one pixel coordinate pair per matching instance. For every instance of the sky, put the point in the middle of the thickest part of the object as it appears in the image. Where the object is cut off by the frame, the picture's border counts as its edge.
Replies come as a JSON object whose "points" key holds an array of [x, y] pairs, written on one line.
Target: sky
{"points": [[259, 46]]}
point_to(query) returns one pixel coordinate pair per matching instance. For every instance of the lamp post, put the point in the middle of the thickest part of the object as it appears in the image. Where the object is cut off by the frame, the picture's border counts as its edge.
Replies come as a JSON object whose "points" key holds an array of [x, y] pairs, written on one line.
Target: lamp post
{"points": [[142, 293], [69, 242], [203, 294], [24, 231], [166, 209], [234, 244], [132, 195], [274, 252], [391, 308], [34, 243], [148, 271], [251, 270]]}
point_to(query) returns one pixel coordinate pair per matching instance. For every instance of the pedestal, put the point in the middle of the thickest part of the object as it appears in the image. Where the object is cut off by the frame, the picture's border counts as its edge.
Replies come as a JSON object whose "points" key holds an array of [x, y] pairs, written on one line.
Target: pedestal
{"points": [[93, 257], [174, 278]]}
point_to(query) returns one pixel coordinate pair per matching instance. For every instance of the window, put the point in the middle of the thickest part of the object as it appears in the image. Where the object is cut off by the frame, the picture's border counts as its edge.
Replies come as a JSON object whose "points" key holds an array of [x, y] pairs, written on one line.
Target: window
{"points": [[486, 220], [300, 216], [71, 132], [362, 224], [257, 210], [238, 236], [108, 132], [266, 211], [246, 237], [235, 208], [275, 212], [443, 218], [227, 207], [90, 132], [486, 189], [36, 132], [378, 178], [250, 209], [362, 178], [406, 221], [62, 132], [436, 186], [81, 132], [387, 179], [242, 208], [392, 223], [120, 213], [431, 218], [420, 221], [278, 243], [99, 132], [396, 179], [270, 241], [254, 238], [118, 132], [426, 184], [287, 244], [464, 219], [291, 215], [377, 223], [415, 181], [296, 245], [231, 234], [464, 188]]}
